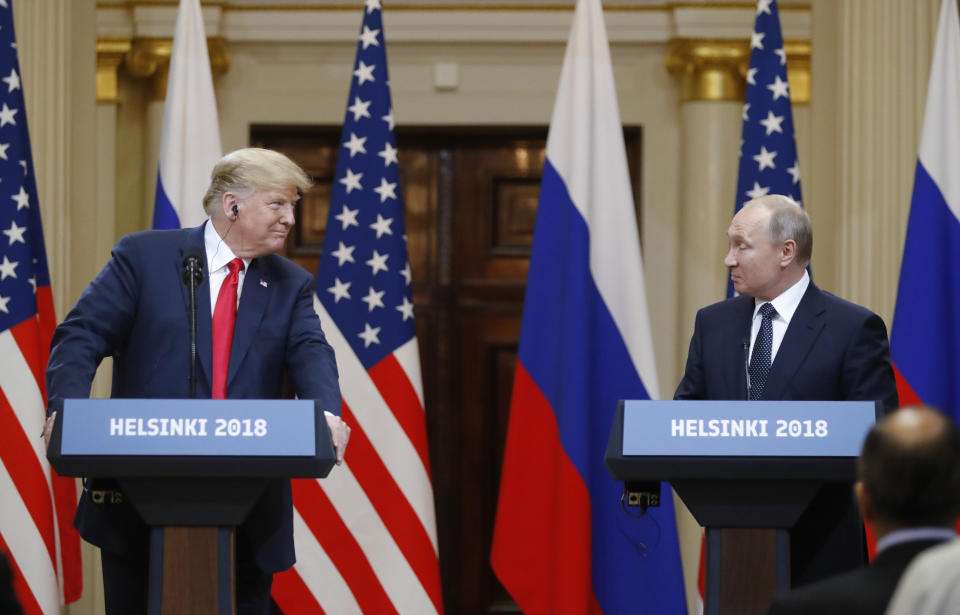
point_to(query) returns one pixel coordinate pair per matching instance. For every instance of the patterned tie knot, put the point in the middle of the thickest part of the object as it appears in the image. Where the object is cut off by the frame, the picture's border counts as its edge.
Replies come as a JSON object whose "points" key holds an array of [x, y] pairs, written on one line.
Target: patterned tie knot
{"points": [[768, 311], [236, 265]]}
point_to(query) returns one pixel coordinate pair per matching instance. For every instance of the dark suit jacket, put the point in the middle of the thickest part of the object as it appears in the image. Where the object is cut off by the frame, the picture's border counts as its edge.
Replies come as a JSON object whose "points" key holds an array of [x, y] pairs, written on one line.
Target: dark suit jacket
{"points": [[832, 350], [8, 599], [866, 591], [136, 311]]}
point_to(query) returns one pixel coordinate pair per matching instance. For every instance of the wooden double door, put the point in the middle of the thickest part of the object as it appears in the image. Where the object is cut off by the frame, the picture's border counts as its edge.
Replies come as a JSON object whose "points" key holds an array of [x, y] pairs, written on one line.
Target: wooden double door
{"points": [[470, 198]]}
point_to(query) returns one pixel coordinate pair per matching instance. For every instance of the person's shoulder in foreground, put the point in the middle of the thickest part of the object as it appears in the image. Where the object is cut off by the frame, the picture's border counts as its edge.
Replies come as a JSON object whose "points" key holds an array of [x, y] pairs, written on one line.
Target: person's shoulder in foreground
{"points": [[931, 585], [908, 489]]}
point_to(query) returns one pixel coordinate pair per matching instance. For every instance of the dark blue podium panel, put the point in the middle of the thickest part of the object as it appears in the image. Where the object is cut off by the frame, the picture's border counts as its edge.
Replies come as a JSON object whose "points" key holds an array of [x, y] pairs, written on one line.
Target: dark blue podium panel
{"points": [[190, 437]]}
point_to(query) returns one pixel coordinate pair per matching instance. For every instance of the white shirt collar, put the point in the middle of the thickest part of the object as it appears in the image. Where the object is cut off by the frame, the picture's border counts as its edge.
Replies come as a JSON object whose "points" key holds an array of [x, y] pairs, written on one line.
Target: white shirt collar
{"points": [[911, 534], [786, 303], [218, 252]]}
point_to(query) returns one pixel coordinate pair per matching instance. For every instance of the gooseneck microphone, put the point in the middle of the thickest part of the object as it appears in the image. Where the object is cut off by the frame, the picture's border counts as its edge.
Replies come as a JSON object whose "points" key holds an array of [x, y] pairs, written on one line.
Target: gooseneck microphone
{"points": [[746, 362], [193, 277]]}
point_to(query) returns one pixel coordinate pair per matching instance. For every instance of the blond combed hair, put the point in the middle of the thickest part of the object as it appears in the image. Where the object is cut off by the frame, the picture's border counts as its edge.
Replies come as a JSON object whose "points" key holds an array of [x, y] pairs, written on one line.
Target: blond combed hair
{"points": [[251, 169]]}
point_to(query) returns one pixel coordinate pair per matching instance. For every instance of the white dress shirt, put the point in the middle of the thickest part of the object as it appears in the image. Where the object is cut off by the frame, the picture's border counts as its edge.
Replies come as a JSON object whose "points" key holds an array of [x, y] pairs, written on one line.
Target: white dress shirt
{"points": [[219, 255], [786, 305]]}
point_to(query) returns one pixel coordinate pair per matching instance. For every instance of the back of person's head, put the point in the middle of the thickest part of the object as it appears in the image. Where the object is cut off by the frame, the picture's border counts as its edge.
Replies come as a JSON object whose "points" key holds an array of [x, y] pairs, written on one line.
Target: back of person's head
{"points": [[251, 169], [910, 468]]}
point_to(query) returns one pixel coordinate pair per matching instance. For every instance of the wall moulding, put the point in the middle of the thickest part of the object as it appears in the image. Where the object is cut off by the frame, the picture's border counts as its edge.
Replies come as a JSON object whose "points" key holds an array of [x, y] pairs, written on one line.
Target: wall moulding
{"points": [[444, 21]]}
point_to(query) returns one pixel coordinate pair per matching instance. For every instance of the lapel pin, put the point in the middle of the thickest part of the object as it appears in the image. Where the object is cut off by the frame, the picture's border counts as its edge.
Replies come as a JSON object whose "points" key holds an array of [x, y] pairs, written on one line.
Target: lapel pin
{"points": [[263, 283]]}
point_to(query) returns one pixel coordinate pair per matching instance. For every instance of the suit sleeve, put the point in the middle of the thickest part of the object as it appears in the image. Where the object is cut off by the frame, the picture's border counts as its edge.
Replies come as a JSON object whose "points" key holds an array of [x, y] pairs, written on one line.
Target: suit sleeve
{"points": [[95, 327], [310, 359], [867, 370], [693, 386]]}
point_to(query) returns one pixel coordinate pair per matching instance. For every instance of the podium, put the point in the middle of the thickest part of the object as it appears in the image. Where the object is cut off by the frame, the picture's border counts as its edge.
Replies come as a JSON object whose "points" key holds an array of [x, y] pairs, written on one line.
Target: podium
{"points": [[192, 469], [747, 471]]}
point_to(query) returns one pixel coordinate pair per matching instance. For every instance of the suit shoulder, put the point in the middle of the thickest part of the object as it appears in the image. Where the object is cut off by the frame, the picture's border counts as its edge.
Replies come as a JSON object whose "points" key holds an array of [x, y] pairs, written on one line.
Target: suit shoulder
{"points": [[848, 309], [152, 239], [727, 307], [284, 267]]}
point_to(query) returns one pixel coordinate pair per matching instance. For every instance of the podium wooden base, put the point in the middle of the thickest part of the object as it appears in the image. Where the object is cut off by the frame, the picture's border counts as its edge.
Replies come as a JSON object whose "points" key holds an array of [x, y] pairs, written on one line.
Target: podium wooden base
{"points": [[192, 571], [745, 569]]}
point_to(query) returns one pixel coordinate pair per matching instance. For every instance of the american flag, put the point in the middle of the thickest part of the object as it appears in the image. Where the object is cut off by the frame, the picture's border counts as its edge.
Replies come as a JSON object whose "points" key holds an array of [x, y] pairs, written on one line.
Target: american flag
{"points": [[768, 151], [366, 535], [36, 505]]}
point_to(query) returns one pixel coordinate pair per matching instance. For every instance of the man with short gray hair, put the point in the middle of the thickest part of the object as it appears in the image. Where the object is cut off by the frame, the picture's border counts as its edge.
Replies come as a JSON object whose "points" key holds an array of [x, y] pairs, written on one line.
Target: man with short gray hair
{"points": [[783, 338]]}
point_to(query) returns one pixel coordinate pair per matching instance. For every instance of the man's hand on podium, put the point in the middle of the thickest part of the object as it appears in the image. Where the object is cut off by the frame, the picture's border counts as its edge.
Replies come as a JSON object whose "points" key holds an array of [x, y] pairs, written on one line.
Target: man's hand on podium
{"points": [[339, 433], [48, 428]]}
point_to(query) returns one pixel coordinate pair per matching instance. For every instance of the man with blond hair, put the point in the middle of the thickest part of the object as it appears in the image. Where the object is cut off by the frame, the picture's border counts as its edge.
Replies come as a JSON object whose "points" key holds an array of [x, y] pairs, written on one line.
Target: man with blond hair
{"points": [[256, 324], [783, 338]]}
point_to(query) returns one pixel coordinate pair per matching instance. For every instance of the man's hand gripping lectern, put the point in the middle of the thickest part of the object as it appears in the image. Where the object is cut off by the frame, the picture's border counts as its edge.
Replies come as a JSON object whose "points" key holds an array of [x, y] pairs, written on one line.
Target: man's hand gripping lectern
{"points": [[192, 468]]}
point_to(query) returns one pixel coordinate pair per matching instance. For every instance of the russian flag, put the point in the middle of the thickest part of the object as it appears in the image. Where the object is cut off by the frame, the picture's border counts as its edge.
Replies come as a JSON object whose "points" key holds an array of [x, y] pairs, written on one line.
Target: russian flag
{"points": [[562, 542], [925, 338], [190, 145]]}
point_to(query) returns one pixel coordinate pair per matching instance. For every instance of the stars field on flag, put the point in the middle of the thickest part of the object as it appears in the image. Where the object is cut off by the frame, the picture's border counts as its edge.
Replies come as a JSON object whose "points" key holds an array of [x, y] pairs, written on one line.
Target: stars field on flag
{"points": [[768, 153]]}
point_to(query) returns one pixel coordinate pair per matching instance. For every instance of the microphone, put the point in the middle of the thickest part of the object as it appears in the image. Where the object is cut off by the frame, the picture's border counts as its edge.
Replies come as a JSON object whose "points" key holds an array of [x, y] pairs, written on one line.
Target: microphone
{"points": [[746, 362], [192, 265], [192, 277]]}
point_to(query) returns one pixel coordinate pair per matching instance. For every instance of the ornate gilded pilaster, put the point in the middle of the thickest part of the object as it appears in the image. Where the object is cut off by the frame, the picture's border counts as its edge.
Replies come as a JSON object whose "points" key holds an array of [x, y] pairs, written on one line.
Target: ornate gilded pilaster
{"points": [[710, 70], [150, 58], [110, 54], [716, 69]]}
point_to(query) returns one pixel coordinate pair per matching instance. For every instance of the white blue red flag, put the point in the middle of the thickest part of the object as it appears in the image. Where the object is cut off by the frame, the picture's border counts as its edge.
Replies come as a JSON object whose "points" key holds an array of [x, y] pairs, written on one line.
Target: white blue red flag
{"points": [[768, 151], [562, 542], [925, 338], [366, 535], [190, 145], [36, 505]]}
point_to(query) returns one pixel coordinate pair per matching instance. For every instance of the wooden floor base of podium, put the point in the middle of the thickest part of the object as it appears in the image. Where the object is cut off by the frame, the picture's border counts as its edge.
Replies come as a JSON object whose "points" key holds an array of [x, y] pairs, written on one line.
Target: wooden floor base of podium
{"points": [[745, 569], [192, 571]]}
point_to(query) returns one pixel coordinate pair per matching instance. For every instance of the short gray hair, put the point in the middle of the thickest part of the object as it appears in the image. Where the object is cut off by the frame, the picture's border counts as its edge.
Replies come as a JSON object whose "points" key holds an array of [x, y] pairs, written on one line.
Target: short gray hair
{"points": [[787, 221], [245, 171]]}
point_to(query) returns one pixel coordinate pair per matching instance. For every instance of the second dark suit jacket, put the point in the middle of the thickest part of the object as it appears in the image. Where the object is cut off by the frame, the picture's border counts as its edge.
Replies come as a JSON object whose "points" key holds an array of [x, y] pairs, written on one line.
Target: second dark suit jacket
{"points": [[136, 311], [866, 591], [8, 599], [832, 350]]}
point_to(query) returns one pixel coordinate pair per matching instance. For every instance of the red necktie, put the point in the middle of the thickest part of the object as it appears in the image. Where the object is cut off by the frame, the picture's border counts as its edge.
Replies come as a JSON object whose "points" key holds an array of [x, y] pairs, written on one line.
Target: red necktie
{"points": [[224, 317]]}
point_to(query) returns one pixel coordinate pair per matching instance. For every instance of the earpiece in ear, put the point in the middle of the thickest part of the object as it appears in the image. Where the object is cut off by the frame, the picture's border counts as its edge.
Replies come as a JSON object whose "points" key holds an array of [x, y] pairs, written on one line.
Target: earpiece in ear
{"points": [[236, 211]]}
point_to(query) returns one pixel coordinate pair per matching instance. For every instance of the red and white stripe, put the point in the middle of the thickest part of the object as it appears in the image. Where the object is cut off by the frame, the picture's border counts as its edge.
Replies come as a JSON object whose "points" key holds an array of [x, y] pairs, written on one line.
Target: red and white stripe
{"points": [[366, 535], [36, 505]]}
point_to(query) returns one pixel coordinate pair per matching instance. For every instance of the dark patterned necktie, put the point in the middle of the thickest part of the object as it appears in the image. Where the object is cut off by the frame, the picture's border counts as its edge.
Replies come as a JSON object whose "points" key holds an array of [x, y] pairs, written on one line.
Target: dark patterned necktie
{"points": [[762, 349]]}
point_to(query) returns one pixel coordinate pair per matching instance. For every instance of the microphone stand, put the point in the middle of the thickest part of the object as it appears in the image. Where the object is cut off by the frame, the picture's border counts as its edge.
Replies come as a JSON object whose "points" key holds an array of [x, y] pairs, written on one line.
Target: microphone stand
{"points": [[193, 275]]}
